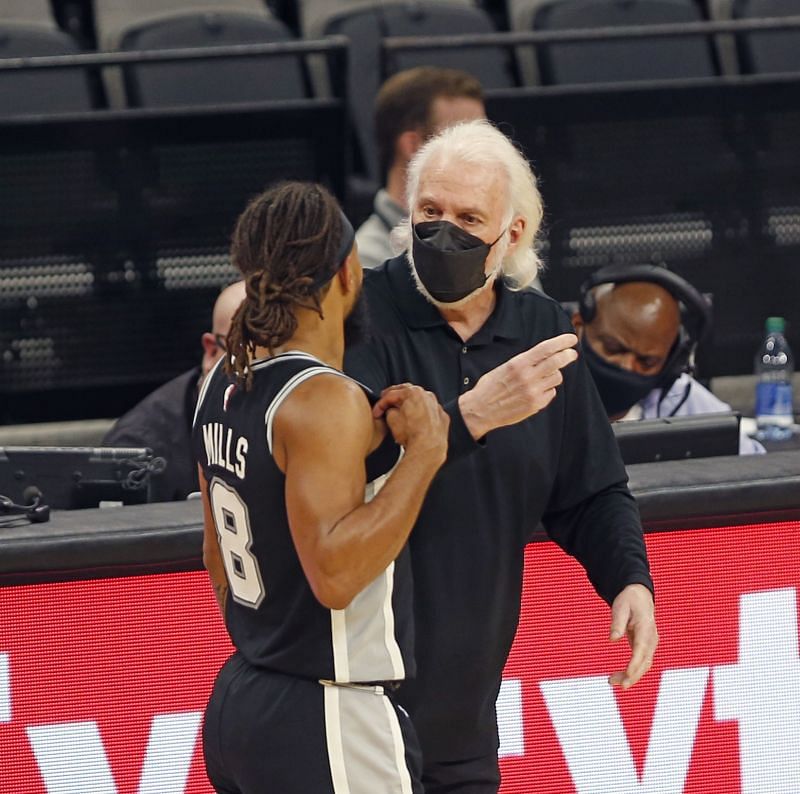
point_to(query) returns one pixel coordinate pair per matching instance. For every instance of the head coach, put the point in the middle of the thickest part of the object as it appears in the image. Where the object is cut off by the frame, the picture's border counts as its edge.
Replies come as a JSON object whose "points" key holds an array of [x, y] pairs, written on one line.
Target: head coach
{"points": [[529, 442]]}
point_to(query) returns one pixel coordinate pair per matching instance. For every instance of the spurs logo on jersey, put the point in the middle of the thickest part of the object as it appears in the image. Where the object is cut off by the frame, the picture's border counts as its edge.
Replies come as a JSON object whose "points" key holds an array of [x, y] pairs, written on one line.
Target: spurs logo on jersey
{"points": [[228, 394]]}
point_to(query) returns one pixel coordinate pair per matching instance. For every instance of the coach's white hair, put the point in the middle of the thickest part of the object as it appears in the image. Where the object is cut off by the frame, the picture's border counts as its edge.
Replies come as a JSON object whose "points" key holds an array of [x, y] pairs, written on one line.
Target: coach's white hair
{"points": [[481, 143]]}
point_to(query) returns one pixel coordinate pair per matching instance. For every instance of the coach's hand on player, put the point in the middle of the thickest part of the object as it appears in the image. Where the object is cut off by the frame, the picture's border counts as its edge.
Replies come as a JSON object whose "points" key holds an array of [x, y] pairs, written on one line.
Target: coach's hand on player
{"points": [[633, 616], [416, 420], [519, 388]]}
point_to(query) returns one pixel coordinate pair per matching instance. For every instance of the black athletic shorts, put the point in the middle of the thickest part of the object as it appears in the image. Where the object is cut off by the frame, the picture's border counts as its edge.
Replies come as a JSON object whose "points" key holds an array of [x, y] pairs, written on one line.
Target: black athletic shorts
{"points": [[268, 733]]}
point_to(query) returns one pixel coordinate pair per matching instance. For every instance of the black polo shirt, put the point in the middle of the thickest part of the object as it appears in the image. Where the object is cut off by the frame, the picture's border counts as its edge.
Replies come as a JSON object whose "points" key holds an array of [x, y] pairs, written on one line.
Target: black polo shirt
{"points": [[561, 467]]}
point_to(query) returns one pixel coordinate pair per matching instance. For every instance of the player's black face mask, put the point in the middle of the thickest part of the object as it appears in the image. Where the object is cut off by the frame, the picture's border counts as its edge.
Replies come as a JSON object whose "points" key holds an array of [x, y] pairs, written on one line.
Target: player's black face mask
{"points": [[619, 389], [450, 262]]}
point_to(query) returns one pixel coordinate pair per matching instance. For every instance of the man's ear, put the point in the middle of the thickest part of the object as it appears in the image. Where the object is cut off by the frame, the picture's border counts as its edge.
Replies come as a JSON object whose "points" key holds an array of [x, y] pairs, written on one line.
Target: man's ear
{"points": [[407, 144], [346, 275], [350, 273], [209, 344], [211, 352], [515, 231], [577, 322]]}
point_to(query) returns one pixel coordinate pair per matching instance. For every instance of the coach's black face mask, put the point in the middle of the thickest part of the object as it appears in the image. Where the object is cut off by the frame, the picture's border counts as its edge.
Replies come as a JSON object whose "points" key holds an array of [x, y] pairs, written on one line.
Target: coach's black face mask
{"points": [[619, 389], [450, 262]]}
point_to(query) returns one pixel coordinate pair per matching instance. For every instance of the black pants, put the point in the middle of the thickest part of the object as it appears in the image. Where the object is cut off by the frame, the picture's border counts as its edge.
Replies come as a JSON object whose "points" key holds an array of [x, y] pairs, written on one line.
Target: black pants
{"points": [[268, 733], [472, 776]]}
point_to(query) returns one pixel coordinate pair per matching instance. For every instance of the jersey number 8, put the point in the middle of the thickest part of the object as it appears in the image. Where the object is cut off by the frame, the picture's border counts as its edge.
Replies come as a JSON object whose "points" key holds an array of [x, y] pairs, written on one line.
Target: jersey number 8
{"points": [[232, 522]]}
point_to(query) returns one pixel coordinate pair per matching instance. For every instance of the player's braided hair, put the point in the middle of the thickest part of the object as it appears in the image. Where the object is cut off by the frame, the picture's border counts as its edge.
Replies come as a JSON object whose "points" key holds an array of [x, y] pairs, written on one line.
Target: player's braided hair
{"points": [[285, 244]]}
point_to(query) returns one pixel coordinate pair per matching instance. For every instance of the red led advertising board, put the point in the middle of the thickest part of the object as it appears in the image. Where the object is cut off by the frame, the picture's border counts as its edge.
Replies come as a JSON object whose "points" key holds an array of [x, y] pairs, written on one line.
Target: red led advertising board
{"points": [[102, 683]]}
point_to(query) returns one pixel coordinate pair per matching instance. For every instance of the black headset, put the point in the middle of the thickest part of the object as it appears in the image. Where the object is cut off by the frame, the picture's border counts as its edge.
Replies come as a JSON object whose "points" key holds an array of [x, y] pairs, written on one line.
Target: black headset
{"points": [[695, 310], [34, 509]]}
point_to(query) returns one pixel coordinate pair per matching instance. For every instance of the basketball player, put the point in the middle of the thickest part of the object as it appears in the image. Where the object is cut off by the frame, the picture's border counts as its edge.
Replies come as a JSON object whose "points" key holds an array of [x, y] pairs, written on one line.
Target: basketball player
{"points": [[308, 504]]}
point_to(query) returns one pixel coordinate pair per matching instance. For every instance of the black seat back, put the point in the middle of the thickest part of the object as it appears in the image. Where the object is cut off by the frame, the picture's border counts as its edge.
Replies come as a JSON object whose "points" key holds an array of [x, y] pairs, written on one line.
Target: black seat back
{"points": [[621, 60], [213, 81], [366, 27], [40, 91]]}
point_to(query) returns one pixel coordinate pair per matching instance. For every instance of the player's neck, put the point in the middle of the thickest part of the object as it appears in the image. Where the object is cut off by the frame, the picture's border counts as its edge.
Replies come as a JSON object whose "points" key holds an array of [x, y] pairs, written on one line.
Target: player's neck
{"points": [[321, 337]]}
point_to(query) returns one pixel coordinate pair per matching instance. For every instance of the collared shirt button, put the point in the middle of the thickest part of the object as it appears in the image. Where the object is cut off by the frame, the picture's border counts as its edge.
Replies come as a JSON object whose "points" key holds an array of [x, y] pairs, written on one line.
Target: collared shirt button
{"points": [[466, 381], [464, 349]]}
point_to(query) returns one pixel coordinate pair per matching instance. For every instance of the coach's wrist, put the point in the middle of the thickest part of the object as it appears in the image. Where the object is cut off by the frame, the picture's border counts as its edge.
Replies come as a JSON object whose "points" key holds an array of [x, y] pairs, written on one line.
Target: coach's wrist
{"points": [[473, 415]]}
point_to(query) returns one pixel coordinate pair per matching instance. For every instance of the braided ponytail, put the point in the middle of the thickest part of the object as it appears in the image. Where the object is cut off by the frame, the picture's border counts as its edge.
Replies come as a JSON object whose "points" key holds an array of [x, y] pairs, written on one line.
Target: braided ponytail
{"points": [[285, 244]]}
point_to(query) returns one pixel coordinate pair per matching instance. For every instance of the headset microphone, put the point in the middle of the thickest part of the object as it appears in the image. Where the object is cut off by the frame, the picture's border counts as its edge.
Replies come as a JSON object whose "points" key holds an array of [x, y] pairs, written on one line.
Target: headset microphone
{"points": [[33, 508]]}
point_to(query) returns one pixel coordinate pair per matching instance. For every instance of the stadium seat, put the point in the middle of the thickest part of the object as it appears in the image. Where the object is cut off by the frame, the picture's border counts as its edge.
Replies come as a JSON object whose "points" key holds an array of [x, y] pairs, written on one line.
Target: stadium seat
{"points": [[114, 17], [27, 12], [594, 62], [214, 81], [366, 24], [34, 92], [770, 51], [520, 15], [621, 60], [152, 25]]}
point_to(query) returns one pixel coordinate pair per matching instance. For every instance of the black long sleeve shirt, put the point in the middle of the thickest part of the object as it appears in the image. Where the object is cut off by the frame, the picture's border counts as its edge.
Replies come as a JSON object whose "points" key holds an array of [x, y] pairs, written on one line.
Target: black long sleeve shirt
{"points": [[561, 467]]}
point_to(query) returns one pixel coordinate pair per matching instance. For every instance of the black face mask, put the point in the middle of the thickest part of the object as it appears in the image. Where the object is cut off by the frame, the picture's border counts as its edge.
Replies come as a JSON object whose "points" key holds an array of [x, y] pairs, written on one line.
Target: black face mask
{"points": [[449, 261], [619, 389]]}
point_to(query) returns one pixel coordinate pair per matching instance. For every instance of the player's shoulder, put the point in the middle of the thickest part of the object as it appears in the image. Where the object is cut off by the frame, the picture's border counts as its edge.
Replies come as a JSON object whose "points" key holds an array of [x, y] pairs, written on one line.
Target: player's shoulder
{"points": [[329, 408], [328, 396]]}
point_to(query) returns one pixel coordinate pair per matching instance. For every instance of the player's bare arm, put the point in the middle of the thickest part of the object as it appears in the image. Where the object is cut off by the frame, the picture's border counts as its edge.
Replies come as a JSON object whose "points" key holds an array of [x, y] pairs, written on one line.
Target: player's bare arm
{"points": [[322, 434], [212, 558]]}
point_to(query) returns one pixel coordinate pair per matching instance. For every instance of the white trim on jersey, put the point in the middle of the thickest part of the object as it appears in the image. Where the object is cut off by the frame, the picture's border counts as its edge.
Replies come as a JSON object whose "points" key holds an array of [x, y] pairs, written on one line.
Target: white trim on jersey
{"points": [[288, 388], [354, 628], [341, 657], [289, 355], [390, 640], [392, 648], [204, 389]]}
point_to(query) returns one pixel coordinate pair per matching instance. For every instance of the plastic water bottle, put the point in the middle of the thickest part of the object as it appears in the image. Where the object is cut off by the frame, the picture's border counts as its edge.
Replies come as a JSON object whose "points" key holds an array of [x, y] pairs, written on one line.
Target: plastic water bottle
{"points": [[774, 366]]}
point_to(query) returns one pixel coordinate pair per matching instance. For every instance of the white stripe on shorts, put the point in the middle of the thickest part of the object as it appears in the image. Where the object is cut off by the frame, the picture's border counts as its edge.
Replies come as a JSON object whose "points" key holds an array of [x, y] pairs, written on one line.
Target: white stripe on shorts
{"points": [[366, 750]]}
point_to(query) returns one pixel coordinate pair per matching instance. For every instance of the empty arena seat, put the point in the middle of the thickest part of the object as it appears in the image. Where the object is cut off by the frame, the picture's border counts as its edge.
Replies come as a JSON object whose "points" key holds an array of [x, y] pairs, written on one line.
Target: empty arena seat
{"points": [[216, 81], [770, 51], [45, 91], [159, 24], [367, 24], [27, 12], [520, 15], [621, 60], [114, 17]]}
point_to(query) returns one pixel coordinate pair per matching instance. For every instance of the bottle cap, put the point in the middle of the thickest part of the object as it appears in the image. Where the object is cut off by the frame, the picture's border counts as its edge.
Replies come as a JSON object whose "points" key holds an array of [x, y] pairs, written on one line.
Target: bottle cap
{"points": [[775, 325]]}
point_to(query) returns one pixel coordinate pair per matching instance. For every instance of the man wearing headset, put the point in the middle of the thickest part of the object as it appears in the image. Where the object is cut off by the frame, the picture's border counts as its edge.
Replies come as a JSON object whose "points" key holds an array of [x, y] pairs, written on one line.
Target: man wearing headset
{"points": [[639, 327]]}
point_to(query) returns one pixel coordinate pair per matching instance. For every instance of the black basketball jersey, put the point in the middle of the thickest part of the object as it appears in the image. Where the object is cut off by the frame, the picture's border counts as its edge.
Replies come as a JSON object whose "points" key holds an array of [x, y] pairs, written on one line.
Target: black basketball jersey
{"points": [[272, 615]]}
